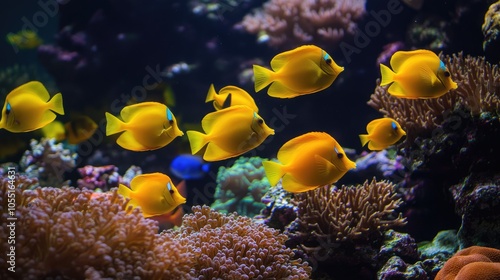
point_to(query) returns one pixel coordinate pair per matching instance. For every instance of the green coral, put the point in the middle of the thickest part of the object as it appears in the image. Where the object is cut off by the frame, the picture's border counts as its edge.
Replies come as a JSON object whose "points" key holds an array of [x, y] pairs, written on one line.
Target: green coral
{"points": [[241, 187]]}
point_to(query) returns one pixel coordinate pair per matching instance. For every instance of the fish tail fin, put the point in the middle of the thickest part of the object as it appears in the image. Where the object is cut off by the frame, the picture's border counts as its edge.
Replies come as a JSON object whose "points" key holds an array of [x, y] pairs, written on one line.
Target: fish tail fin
{"points": [[274, 172], [262, 77], [364, 139], [387, 75], [196, 140], [56, 104], [124, 191], [113, 124], [211, 94]]}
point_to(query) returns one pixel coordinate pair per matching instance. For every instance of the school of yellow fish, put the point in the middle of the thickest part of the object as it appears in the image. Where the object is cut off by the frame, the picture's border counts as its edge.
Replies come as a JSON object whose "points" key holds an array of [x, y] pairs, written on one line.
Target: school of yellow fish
{"points": [[305, 162]]}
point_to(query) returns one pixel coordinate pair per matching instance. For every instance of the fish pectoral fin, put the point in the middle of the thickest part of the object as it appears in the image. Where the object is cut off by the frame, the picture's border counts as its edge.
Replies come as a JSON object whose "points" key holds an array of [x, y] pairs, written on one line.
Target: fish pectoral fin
{"points": [[215, 153], [290, 184], [323, 166]]}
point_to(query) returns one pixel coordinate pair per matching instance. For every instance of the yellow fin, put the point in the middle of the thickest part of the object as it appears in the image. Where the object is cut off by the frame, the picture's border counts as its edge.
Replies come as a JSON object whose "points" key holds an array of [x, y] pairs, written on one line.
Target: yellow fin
{"points": [[124, 191], [396, 90], [400, 57], [274, 171], [262, 77], [215, 153], [291, 185], [47, 118], [364, 139], [196, 140], [211, 93], [127, 141], [387, 75], [281, 59], [144, 179], [113, 124], [279, 90], [287, 152], [370, 128], [56, 104], [33, 87], [323, 166], [374, 146]]}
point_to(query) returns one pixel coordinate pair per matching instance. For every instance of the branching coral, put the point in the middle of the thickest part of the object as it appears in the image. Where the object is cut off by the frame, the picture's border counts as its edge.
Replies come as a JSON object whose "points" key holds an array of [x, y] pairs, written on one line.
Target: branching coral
{"points": [[234, 247], [66, 233], [290, 23], [349, 213], [478, 91]]}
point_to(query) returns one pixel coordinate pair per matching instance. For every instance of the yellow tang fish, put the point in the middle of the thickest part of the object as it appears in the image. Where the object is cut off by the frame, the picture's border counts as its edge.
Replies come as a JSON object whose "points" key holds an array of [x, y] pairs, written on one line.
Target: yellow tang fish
{"points": [[308, 161], [416, 74], [229, 132], [24, 39], [382, 133], [230, 96], [304, 70], [54, 130], [145, 126], [79, 129], [154, 193], [28, 108]]}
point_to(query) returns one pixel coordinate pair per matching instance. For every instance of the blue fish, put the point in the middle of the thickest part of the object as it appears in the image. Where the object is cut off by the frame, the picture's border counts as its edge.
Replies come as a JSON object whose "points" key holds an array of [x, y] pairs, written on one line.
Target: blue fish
{"points": [[187, 167]]}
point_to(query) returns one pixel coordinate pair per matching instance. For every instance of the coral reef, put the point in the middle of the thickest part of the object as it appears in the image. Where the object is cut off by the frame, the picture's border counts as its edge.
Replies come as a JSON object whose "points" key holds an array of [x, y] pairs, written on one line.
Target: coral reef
{"points": [[102, 177], [290, 23], [491, 32], [478, 92], [475, 262], [234, 247], [279, 211], [385, 164], [64, 233], [241, 187], [48, 162], [341, 229], [476, 202]]}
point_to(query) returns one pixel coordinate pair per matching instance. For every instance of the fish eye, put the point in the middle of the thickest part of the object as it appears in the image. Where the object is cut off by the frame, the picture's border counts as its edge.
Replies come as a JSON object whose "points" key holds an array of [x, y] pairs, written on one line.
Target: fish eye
{"points": [[394, 126], [327, 59], [171, 191], [260, 121], [339, 155], [446, 74]]}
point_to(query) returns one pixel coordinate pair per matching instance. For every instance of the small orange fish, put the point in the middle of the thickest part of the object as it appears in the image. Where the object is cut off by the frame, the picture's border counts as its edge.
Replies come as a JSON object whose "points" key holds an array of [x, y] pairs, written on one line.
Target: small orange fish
{"points": [[304, 70], [382, 133], [307, 162]]}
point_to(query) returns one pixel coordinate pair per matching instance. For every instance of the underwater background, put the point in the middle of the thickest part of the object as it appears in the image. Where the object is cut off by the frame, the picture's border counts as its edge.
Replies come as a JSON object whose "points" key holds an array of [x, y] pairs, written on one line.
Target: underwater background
{"points": [[403, 213]]}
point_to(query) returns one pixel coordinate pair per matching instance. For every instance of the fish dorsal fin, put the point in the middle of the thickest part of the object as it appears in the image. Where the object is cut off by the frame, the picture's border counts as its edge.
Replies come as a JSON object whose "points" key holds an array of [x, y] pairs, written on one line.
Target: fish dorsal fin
{"points": [[291, 185], [399, 58], [215, 153], [208, 122], [288, 151], [281, 59], [372, 125], [35, 88], [142, 180], [128, 112]]}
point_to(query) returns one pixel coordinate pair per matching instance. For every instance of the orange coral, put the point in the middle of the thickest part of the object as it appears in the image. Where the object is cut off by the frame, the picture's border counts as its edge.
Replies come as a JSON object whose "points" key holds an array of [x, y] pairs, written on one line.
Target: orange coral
{"points": [[65, 233], [475, 262]]}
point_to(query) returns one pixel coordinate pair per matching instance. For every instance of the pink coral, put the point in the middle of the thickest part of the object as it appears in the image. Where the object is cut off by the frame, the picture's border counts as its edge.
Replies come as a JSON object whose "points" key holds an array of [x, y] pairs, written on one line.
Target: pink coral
{"points": [[289, 23]]}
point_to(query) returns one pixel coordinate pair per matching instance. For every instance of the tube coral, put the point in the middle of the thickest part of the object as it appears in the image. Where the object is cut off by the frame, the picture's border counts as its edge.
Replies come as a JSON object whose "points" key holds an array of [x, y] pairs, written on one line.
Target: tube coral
{"points": [[234, 247], [290, 23], [66, 233], [349, 213], [478, 91]]}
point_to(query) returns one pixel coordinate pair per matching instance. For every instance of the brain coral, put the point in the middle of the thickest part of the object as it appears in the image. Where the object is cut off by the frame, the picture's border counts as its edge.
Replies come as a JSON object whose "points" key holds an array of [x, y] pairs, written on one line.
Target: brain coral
{"points": [[234, 247], [475, 262]]}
